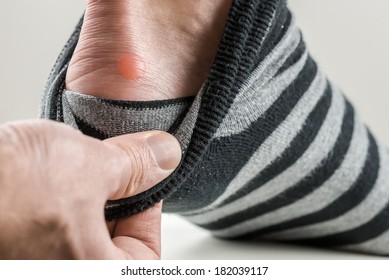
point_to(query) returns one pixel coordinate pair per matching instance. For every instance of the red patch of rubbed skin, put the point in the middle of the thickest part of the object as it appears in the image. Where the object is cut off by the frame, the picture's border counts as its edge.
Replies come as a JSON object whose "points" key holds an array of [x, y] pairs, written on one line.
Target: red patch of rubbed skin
{"points": [[131, 66]]}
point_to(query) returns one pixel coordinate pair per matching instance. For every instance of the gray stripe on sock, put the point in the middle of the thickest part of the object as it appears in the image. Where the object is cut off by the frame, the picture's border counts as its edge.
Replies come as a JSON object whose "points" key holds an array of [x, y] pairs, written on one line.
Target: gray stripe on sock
{"points": [[68, 115], [312, 158], [361, 214], [185, 130], [258, 99], [277, 142], [114, 120], [262, 89], [377, 245], [332, 189], [335, 186], [48, 106]]}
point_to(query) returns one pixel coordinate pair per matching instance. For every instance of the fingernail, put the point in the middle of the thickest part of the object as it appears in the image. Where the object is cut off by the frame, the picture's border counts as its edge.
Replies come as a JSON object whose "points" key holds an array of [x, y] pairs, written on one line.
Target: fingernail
{"points": [[166, 150]]}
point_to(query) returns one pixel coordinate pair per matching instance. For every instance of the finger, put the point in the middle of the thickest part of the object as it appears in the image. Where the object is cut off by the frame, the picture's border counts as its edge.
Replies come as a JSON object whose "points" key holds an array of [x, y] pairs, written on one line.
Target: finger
{"points": [[145, 159], [139, 236]]}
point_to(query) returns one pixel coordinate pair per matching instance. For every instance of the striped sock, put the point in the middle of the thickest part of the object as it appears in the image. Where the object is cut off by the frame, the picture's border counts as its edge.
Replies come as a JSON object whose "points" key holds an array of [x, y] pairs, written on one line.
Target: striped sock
{"points": [[271, 148]]}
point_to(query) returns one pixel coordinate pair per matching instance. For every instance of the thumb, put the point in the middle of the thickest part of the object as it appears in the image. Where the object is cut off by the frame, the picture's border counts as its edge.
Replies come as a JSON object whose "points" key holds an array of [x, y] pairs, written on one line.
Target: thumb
{"points": [[146, 158]]}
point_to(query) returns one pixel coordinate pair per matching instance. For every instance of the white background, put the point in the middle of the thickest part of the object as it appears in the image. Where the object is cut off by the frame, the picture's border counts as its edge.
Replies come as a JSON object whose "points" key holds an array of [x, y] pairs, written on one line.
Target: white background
{"points": [[349, 39]]}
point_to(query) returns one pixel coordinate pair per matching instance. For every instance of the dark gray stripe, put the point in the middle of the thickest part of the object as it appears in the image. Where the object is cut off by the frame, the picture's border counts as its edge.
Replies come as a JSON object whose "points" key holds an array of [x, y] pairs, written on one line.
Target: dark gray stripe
{"points": [[352, 166], [349, 200], [308, 184], [226, 160], [296, 149], [355, 195]]}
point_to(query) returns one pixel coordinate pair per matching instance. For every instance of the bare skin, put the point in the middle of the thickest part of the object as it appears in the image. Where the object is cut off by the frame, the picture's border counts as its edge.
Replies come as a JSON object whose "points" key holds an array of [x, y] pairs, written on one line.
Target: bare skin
{"points": [[170, 46], [51, 210]]}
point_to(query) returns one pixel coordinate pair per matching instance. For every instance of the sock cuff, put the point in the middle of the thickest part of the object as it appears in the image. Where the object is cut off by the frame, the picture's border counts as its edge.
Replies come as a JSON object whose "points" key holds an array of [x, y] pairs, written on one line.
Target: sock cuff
{"points": [[109, 118]]}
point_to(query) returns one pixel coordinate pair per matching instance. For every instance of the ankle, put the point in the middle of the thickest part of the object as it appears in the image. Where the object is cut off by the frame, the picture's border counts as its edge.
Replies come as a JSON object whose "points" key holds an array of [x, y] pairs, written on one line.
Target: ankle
{"points": [[171, 52]]}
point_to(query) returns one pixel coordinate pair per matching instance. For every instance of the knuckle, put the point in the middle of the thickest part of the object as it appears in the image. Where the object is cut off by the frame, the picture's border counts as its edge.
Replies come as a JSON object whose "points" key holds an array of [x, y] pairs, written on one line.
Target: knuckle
{"points": [[141, 164], [22, 136], [12, 144]]}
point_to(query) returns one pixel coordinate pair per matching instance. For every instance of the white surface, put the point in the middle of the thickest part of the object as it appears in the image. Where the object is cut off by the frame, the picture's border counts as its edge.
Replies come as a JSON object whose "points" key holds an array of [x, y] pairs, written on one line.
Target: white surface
{"points": [[349, 38], [184, 241]]}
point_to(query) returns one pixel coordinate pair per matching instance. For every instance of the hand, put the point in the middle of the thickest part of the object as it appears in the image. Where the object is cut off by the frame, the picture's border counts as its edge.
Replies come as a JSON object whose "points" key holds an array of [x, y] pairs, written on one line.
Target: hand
{"points": [[54, 183]]}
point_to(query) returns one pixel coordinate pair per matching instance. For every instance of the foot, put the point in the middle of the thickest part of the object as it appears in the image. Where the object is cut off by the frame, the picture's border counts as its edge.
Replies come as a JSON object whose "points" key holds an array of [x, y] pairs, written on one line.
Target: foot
{"points": [[148, 49]]}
